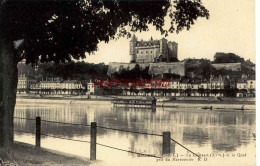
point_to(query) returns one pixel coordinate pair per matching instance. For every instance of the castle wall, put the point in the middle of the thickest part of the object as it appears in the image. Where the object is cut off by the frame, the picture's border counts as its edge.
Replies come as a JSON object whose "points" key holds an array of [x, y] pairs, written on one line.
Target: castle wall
{"points": [[171, 68], [154, 68], [117, 67], [228, 66]]}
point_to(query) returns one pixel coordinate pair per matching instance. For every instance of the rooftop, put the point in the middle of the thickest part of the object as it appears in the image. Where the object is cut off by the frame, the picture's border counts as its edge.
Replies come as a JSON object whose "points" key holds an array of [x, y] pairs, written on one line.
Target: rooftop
{"points": [[148, 43], [252, 77], [242, 81]]}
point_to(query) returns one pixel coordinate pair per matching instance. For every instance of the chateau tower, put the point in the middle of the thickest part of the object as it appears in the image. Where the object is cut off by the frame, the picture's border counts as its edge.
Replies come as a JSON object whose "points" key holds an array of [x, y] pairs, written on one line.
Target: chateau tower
{"points": [[172, 51], [132, 50], [164, 49]]}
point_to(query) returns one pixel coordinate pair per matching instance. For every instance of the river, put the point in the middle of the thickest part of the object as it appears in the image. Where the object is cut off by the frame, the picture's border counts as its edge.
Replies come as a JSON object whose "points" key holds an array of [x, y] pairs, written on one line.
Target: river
{"points": [[220, 137]]}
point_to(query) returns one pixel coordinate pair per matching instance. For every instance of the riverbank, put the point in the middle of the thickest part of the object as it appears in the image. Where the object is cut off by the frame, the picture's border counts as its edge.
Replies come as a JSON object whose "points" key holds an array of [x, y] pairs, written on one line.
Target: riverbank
{"points": [[167, 99], [227, 104], [181, 99], [28, 155]]}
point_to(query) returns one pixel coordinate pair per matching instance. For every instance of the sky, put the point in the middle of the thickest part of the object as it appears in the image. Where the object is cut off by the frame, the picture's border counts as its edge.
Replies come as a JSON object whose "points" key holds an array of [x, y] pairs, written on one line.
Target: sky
{"points": [[230, 29]]}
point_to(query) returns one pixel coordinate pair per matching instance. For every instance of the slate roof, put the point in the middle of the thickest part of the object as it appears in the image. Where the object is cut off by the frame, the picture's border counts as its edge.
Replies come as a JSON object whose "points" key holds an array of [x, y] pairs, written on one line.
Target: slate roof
{"points": [[148, 43], [252, 77], [241, 81]]}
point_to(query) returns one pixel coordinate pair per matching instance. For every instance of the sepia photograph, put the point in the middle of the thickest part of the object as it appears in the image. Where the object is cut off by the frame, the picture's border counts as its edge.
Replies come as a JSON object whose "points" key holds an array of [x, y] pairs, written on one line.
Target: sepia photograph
{"points": [[127, 82]]}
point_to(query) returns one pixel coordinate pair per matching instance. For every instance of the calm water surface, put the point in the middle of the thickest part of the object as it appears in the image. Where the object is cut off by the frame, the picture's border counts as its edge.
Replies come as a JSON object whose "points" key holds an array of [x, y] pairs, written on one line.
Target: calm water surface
{"points": [[222, 137]]}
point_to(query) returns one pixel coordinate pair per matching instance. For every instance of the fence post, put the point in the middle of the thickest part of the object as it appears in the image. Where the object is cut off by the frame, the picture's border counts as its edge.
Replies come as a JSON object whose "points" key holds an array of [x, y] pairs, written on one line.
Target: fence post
{"points": [[38, 132], [93, 133], [166, 149]]}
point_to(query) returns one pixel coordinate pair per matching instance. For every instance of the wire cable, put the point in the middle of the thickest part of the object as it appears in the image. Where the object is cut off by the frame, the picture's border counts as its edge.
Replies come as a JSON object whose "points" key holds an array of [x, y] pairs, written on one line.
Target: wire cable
{"points": [[77, 124], [148, 155], [23, 118], [136, 132], [185, 147]]}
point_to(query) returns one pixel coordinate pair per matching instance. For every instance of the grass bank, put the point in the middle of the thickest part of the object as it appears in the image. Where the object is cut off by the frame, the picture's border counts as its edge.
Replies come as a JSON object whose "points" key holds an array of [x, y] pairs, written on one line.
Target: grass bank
{"points": [[28, 155]]}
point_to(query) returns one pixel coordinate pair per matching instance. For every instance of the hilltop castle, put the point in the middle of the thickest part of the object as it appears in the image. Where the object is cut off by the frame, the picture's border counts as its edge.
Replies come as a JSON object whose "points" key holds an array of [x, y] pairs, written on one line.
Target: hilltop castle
{"points": [[160, 56], [152, 51]]}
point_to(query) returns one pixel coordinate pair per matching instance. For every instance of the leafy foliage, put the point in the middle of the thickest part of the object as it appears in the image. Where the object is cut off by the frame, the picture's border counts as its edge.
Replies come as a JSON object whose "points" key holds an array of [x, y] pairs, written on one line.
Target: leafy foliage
{"points": [[136, 73], [202, 68], [59, 31], [70, 70], [227, 58]]}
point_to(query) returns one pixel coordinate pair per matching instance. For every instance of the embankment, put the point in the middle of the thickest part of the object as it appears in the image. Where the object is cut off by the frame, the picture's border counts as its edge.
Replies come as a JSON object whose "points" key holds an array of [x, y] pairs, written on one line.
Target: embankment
{"points": [[182, 102]]}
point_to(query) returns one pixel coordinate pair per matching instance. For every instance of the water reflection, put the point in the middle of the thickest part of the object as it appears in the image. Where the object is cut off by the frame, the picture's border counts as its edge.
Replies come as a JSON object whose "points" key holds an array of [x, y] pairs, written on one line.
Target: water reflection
{"points": [[200, 129]]}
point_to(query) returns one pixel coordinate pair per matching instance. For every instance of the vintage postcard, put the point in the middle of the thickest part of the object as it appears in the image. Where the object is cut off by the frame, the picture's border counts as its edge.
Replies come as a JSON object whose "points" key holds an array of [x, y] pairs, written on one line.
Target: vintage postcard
{"points": [[127, 82]]}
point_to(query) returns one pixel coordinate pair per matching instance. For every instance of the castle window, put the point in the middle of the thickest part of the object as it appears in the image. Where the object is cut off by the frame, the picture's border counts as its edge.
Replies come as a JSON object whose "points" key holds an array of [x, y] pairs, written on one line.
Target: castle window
{"points": [[146, 52], [151, 51]]}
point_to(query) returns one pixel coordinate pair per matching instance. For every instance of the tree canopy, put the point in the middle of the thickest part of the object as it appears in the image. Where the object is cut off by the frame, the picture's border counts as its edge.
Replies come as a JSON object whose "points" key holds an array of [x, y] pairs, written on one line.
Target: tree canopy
{"points": [[60, 30], [136, 73], [70, 70], [227, 58]]}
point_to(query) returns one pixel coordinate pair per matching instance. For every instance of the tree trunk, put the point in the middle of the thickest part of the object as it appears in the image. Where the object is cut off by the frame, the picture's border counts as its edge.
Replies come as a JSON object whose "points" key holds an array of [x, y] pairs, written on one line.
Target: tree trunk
{"points": [[8, 87]]}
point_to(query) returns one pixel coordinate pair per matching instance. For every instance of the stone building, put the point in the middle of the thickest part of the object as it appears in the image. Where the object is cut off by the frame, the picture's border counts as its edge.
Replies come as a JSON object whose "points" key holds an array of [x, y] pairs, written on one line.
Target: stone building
{"points": [[242, 88], [91, 87], [251, 86], [24, 82], [61, 84], [152, 50]]}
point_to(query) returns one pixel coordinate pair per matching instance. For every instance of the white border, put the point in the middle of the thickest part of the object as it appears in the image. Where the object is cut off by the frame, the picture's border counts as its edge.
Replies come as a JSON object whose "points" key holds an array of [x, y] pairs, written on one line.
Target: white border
{"points": [[257, 23]]}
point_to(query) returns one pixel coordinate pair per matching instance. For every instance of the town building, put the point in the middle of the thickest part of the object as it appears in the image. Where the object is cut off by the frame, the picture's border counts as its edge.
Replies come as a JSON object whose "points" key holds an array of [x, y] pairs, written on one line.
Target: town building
{"points": [[218, 85], [242, 88], [194, 86], [50, 84], [91, 87], [71, 84], [204, 84], [58, 86], [251, 86], [174, 84], [204, 88], [215, 87], [25, 83]]}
